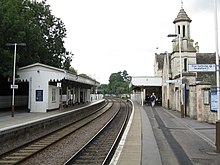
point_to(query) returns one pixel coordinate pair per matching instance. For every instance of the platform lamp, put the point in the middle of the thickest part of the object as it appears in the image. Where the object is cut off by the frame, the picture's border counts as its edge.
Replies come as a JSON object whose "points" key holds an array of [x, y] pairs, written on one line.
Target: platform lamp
{"points": [[181, 74], [13, 86]]}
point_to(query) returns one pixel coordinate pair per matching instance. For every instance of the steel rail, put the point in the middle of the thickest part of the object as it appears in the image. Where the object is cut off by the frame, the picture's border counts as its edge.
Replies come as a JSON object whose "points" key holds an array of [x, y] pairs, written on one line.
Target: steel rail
{"points": [[77, 155], [24, 152]]}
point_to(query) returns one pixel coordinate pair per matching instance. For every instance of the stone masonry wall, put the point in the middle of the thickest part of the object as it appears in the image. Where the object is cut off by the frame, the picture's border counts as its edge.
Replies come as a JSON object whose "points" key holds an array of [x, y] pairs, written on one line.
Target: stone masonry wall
{"points": [[192, 101], [203, 109]]}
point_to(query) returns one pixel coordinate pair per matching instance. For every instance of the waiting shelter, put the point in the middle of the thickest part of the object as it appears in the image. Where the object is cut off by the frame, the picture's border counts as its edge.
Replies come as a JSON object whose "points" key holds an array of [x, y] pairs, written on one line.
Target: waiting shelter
{"points": [[144, 86], [51, 87]]}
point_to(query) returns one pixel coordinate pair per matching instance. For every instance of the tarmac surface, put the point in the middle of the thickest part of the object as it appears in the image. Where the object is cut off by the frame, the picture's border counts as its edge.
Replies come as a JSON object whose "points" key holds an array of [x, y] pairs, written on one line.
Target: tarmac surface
{"points": [[154, 136], [168, 139]]}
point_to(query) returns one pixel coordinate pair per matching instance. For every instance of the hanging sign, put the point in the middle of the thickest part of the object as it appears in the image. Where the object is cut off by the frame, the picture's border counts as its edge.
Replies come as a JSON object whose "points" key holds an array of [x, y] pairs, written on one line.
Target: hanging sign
{"points": [[173, 81], [14, 86], [201, 67]]}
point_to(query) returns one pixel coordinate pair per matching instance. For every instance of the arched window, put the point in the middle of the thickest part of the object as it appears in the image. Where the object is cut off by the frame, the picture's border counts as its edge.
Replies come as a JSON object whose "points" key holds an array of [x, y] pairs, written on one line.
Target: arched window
{"points": [[185, 64], [184, 31], [178, 29]]}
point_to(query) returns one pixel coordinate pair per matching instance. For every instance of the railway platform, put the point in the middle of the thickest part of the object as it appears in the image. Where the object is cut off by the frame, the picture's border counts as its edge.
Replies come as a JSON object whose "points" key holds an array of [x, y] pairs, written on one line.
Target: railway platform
{"points": [[22, 117], [140, 145]]}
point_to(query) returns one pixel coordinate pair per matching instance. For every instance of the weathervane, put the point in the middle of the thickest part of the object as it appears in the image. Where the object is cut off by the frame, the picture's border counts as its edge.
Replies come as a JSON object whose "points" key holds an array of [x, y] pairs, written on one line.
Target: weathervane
{"points": [[181, 4]]}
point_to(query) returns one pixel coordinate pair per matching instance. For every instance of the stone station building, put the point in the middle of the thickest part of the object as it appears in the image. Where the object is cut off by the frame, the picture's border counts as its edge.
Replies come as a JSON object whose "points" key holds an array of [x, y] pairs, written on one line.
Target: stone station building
{"points": [[196, 86]]}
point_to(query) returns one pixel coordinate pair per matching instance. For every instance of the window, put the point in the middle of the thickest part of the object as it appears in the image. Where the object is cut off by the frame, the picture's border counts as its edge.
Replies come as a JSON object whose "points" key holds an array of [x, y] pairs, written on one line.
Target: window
{"points": [[185, 64], [53, 95], [206, 96], [178, 29], [184, 31]]}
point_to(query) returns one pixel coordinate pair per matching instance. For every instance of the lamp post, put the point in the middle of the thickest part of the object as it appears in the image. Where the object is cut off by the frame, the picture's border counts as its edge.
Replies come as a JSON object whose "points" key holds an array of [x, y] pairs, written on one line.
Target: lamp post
{"points": [[167, 85], [13, 81], [217, 58], [217, 80], [181, 74]]}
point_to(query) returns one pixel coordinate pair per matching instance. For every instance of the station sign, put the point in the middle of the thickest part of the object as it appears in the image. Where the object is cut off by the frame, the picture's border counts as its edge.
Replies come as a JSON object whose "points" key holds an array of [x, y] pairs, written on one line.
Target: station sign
{"points": [[201, 68], [14, 86], [59, 85], [173, 81]]}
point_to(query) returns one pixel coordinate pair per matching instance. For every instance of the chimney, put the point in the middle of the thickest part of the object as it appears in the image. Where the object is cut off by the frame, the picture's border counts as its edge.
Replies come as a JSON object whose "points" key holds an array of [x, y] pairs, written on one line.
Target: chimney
{"points": [[197, 47]]}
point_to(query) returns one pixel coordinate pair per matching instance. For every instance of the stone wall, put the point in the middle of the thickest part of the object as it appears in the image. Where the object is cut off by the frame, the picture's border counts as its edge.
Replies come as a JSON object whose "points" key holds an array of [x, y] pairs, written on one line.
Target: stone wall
{"points": [[199, 102], [192, 104], [204, 113]]}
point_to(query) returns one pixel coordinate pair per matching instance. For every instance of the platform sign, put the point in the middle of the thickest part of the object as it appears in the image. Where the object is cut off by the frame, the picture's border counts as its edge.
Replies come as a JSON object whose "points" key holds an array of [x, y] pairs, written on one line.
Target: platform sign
{"points": [[214, 100], [39, 95], [173, 81], [59, 85], [14, 86], [201, 68]]}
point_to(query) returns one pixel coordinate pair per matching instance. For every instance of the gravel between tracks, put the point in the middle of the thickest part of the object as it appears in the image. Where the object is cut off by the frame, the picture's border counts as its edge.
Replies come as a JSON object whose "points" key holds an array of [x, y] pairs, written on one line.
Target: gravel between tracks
{"points": [[60, 152]]}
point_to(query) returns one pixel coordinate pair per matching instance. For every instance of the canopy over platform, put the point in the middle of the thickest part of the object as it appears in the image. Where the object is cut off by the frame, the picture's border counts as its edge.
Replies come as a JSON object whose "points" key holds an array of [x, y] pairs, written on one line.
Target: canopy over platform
{"points": [[144, 86], [54, 75], [49, 87], [140, 81]]}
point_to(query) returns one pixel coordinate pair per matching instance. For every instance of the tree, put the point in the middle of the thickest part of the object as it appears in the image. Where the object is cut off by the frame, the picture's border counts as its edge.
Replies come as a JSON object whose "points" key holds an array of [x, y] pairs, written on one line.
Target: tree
{"points": [[119, 83], [126, 77], [116, 77], [72, 70], [103, 89], [31, 22]]}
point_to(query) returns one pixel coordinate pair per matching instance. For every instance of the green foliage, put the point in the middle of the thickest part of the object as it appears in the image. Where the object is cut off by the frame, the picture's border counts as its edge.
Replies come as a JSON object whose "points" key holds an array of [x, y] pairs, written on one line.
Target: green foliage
{"points": [[126, 77], [118, 84], [116, 77], [103, 89], [72, 70], [31, 22], [84, 75]]}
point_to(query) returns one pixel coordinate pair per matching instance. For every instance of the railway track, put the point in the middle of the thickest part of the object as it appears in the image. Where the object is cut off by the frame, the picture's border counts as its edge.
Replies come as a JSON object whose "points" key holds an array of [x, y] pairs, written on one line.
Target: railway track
{"points": [[23, 153], [100, 148]]}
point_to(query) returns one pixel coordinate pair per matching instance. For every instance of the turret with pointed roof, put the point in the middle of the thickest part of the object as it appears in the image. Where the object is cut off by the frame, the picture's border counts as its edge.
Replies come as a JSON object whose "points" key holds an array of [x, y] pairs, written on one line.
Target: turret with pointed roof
{"points": [[188, 51], [182, 16]]}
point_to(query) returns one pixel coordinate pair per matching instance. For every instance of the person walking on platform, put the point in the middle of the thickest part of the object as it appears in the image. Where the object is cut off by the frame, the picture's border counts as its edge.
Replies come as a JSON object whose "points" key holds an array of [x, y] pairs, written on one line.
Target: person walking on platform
{"points": [[153, 99]]}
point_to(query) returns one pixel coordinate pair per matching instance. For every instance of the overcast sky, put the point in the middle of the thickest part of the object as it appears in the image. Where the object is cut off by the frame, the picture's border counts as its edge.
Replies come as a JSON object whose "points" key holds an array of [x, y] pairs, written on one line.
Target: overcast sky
{"points": [[108, 36]]}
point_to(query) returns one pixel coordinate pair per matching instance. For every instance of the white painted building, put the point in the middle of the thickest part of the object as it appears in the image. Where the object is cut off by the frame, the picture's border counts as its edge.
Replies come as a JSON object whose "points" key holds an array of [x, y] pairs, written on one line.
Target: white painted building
{"points": [[46, 83], [144, 86], [146, 81]]}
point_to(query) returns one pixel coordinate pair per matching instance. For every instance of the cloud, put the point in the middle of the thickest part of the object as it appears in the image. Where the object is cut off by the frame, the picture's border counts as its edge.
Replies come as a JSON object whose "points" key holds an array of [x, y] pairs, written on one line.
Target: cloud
{"points": [[111, 36], [202, 5]]}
